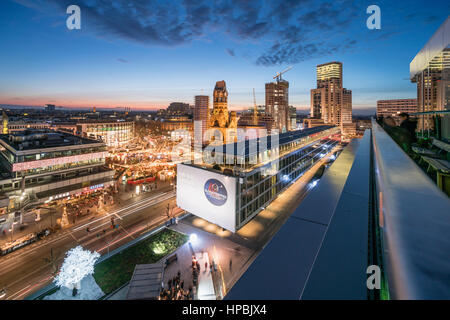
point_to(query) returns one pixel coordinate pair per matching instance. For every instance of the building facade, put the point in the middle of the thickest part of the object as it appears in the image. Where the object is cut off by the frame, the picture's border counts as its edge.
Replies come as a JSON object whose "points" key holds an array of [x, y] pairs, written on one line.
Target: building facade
{"points": [[16, 126], [392, 108], [330, 101], [231, 194], [43, 165], [430, 70], [277, 104], [201, 113], [113, 133], [5, 120]]}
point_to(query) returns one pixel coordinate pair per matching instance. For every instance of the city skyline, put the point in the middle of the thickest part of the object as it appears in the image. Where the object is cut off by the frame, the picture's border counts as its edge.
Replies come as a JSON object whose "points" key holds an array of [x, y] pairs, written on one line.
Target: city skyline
{"points": [[204, 198], [110, 66]]}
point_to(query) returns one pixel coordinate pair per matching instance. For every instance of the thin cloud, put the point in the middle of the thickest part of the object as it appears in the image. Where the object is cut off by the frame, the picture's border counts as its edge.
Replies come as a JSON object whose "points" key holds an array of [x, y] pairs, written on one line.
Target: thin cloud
{"points": [[231, 52], [288, 31]]}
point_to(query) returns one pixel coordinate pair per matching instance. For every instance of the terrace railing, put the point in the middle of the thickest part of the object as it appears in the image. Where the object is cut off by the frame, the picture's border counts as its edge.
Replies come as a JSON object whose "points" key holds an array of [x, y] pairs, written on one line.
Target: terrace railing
{"points": [[415, 223]]}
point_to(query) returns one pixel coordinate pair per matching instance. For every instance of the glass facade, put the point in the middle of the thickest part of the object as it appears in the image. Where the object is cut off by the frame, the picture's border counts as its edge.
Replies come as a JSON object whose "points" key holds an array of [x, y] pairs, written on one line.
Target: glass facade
{"points": [[112, 133], [58, 167], [262, 185], [59, 154]]}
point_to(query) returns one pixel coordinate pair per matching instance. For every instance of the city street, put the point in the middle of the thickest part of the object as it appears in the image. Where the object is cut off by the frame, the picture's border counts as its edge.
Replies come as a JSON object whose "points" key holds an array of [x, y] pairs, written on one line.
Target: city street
{"points": [[30, 268]]}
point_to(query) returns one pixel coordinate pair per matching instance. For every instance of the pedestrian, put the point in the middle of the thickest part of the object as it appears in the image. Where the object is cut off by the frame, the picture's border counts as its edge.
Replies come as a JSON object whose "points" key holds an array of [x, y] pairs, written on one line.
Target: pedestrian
{"points": [[206, 265]]}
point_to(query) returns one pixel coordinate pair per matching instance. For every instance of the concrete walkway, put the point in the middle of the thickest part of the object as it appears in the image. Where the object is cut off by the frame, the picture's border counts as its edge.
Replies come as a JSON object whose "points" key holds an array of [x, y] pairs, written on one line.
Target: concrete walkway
{"points": [[205, 282]]}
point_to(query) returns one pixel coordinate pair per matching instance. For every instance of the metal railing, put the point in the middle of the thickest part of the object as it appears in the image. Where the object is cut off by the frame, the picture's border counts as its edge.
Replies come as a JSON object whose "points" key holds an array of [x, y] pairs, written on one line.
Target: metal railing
{"points": [[415, 223]]}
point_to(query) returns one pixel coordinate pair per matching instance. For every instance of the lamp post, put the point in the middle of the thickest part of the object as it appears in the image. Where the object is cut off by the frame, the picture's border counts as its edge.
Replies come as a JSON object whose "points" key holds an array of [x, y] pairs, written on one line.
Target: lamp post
{"points": [[107, 243], [12, 231]]}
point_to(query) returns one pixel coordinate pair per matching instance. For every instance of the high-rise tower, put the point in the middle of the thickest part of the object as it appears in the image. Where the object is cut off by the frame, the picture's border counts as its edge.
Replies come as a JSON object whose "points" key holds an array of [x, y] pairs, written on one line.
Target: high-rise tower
{"points": [[277, 103], [330, 101], [201, 113]]}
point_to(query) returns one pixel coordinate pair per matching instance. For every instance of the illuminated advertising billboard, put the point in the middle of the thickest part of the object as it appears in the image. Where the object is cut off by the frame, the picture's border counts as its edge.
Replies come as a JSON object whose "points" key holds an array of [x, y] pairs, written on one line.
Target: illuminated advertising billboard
{"points": [[58, 161], [208, 195]]}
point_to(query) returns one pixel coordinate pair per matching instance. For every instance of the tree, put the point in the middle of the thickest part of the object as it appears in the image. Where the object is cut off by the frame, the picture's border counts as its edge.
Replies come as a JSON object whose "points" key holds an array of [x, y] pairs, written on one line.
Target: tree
{"points": [[78, 264]]}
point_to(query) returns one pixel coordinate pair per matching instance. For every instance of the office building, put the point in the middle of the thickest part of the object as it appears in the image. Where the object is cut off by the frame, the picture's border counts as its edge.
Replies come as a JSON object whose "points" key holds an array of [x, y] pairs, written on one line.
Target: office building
{"points": [[49, 108], [201, 113], [114, 133], [430, 70], [179, 108], [44, 165], [293, 118], [4, 129], [277, 104], [392, 108], [21, 125], [330, 101], [251, 174]]}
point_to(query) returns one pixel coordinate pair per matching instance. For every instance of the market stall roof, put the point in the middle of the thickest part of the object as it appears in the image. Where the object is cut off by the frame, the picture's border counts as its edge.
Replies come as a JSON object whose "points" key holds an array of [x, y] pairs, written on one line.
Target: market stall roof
{"points": [[146, 282]]}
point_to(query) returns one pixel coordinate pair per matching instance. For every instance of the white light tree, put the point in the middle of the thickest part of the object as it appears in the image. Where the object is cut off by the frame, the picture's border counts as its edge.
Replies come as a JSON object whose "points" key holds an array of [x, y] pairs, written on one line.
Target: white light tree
{"points": [[78, 264]]}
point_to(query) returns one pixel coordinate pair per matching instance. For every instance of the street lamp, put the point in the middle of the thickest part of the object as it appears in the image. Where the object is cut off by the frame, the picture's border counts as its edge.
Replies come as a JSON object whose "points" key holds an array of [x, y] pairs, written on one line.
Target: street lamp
{"points": [[12, 231], [107, 243], [193, 238]]}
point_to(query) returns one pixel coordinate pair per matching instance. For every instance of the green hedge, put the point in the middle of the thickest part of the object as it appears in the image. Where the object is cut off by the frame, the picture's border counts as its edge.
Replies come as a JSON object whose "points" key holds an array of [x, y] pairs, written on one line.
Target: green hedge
{"points": [[118, 270]]}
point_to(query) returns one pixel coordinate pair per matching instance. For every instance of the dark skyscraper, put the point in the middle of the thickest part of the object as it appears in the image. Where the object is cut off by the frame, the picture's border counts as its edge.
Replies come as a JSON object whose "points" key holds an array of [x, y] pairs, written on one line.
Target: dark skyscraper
{"points": [[277, 103], [201, 113]]}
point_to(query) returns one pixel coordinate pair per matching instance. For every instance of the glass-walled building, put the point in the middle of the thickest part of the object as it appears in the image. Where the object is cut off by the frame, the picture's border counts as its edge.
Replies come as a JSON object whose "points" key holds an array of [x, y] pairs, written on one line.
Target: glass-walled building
{"points": [[41, 165], [430, 70], [247, 177], [112, 133]]}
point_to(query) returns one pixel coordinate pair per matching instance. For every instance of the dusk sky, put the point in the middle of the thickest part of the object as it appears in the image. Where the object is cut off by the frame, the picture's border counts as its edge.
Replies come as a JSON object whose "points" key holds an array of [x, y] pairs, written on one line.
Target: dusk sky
{"points": [[146, 54]]}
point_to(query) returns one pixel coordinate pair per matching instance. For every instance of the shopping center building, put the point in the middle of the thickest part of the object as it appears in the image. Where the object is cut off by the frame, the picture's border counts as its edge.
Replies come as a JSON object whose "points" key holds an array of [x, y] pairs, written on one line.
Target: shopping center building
{"points": [[44, 165], [113, 133], [247, 176]]}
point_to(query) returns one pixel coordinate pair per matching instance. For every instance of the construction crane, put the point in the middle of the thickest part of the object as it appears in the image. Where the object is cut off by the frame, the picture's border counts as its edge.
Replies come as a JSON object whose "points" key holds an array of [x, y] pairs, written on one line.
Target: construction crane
{"points": [[278, 76], [255, 109]]}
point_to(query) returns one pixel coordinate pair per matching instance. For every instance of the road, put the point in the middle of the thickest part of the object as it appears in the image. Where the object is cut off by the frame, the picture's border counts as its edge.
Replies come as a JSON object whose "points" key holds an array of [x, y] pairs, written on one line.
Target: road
{"points": [[26, 270]]}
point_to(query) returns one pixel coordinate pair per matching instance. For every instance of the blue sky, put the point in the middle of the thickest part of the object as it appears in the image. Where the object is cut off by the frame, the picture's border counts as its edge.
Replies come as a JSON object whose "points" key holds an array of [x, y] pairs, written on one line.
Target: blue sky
{"points": [[148, 53]]}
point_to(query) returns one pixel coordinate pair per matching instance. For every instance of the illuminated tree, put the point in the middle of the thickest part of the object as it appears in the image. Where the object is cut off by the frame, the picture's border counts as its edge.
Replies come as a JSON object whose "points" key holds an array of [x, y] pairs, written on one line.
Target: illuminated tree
{"points": [[78, 264]]}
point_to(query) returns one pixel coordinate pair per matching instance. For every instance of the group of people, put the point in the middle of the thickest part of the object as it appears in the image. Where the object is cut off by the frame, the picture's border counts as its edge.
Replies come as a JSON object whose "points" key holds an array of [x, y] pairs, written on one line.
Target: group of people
{"points": [[195, 270], [176, 291], [90, 203], [404, 134]]}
